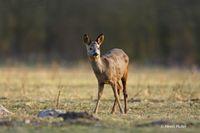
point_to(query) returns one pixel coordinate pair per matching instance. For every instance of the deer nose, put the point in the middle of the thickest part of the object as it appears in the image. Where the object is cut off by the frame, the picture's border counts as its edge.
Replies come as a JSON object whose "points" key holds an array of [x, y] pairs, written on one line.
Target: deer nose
{"points": [[95, 54]]}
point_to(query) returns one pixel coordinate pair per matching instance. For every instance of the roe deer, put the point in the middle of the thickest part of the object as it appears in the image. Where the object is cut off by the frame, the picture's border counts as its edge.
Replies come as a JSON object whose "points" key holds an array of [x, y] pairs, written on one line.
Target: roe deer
{"points": [[108, 69]]}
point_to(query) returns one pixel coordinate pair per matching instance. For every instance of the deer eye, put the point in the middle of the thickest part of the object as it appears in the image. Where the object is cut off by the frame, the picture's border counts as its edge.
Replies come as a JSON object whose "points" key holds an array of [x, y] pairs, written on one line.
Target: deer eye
{"points": [[90, 48]]}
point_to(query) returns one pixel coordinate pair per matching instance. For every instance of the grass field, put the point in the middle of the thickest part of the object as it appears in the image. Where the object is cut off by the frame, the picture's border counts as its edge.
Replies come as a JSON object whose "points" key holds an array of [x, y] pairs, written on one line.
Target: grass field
{"points": [[156, 95]]}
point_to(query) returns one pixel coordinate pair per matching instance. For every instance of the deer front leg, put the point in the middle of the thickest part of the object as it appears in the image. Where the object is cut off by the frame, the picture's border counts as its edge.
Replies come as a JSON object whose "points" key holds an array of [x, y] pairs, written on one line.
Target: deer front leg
{"points": [[100, 92], [114, 87], [115, 102]]}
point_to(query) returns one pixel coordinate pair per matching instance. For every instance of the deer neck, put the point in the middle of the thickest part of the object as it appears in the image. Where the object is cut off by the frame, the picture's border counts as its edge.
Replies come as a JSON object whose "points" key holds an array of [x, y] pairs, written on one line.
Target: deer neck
{"points": [[97, 65]]}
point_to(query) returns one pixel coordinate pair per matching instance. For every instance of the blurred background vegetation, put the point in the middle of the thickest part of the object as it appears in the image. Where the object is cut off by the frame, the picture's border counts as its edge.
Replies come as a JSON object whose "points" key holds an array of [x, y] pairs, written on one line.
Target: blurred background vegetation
{"points": [[163, 32]]}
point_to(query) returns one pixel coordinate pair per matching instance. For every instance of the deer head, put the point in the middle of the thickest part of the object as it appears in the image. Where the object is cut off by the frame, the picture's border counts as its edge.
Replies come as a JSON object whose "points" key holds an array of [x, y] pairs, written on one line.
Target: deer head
{"points": [[93, 47]]}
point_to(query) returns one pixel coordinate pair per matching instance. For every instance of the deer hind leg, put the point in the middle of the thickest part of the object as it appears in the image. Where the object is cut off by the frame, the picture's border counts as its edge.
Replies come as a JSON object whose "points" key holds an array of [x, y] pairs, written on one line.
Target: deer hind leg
{"points": [[100, 92], [114, 87], [124, 80], [115, 102]]}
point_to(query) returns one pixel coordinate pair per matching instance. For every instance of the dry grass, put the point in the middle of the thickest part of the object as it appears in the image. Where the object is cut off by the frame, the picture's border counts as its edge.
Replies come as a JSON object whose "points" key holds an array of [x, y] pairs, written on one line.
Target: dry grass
{"points": [[154, 94]]}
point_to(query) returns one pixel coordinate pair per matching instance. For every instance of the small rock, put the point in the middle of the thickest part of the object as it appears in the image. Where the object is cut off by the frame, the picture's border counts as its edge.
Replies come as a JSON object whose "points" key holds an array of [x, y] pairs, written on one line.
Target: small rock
{"points": [[27, 121], [66, 115], [50, 113]]}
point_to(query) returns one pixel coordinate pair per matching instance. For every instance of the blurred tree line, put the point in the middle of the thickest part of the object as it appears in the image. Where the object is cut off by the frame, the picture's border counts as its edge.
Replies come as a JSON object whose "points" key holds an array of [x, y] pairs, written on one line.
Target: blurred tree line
{"points": [[150, 31]]}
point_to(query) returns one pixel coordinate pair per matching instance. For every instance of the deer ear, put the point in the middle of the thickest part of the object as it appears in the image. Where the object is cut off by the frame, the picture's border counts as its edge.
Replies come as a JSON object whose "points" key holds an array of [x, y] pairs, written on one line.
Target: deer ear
{"points": [[100, 39], [86, 39]]}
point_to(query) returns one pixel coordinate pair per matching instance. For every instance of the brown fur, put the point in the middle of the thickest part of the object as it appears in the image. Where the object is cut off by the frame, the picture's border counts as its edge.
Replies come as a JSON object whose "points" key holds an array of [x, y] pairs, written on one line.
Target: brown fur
{"points": [[110, 69]]}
